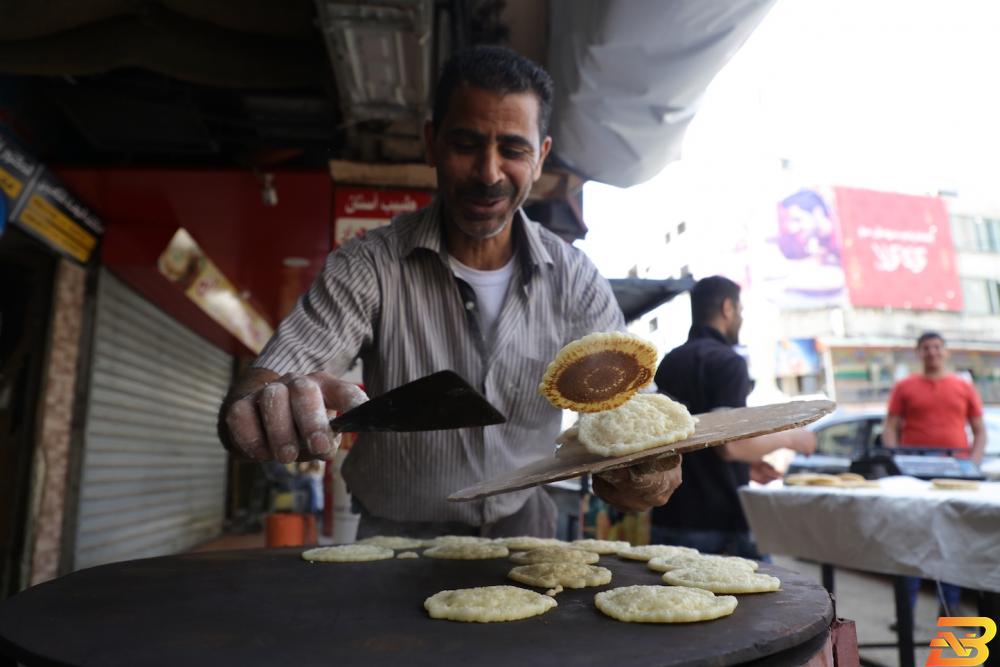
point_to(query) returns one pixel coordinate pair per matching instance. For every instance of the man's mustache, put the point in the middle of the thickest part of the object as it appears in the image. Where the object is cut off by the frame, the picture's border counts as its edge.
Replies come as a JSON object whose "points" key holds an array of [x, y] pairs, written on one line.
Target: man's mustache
{"points": [[480, 191]]}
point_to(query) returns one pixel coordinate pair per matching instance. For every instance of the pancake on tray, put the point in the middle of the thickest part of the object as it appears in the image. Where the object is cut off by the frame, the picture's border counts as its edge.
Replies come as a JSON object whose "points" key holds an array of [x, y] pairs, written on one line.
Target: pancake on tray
{"points": [[644, 422]]}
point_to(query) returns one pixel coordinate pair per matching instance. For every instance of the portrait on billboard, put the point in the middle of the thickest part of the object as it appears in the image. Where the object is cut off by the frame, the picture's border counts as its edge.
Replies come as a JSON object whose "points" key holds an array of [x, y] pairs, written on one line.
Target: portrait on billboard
{"points": [[801, 264]]}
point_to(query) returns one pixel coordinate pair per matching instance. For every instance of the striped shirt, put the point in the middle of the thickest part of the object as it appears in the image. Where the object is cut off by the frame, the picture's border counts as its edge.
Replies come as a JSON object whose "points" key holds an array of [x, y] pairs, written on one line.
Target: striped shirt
{"points": [[391, 298]]}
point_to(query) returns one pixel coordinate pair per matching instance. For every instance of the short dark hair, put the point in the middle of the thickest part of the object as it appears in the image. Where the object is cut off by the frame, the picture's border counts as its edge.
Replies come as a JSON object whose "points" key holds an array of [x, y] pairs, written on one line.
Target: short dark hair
{"points": [[929, 335], [496, 69], [708, 295]]}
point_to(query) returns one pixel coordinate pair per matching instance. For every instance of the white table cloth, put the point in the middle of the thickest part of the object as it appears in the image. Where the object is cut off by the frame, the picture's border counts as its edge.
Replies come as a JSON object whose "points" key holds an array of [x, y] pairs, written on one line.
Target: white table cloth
{"points": [[903, 527]]}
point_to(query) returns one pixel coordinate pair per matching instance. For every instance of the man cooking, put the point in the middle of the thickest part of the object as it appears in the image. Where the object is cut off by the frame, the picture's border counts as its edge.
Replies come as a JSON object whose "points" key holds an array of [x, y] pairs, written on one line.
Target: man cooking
{"points": [[707, 374], [468, 284]]}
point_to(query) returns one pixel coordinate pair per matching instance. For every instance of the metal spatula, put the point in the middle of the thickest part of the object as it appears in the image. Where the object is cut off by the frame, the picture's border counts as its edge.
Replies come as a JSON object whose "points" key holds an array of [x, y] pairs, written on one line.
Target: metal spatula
{"points": [[435, 402]]}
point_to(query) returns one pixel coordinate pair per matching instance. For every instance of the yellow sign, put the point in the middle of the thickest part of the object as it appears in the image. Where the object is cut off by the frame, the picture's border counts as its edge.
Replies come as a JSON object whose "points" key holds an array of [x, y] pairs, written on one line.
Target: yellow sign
{"points": [[46, 220], [968, 651], [10, 184]]}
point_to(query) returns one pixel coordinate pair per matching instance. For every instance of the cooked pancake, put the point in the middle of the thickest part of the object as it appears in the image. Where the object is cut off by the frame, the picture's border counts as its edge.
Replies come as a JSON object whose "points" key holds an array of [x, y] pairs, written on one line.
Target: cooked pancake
{"points": [[553, 575], [554, 555], [488, 604], [346, 553], [600, 546], [955, 484], [666, 564], [648, 551], [646, 421], [663, 604], [526, 543], [392, 542], [599, 372], [722, 579], [458, 539], [466, 551]]}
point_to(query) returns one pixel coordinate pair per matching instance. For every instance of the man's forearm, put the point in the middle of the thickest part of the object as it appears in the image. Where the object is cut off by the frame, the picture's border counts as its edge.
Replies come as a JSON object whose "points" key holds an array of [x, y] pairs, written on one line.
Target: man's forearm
{"points": [[978, 445], [890, 432], [754, 449]]}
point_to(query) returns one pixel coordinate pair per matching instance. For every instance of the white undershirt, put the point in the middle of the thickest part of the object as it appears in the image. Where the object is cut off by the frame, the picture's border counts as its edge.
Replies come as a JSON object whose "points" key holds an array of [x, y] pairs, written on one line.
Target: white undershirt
{"points": [[490, 288]]}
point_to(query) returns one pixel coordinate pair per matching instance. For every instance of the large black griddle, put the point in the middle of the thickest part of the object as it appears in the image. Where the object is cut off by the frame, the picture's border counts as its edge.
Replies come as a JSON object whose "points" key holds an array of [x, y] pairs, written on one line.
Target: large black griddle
{"points": [[269, 607]]}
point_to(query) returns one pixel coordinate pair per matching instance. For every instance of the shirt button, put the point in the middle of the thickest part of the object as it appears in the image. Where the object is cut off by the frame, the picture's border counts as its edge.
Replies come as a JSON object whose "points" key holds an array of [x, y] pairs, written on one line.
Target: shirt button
{"points": [[470, 305]]}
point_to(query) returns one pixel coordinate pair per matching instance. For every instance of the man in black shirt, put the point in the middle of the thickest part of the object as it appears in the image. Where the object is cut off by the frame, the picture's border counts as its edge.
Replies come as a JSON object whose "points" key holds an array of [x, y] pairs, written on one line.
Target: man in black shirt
{"points": [[706, 374]]}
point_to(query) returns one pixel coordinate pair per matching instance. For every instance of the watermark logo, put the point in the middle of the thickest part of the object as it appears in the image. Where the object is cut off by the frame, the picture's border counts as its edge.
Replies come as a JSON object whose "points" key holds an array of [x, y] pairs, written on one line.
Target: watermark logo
{"points": [[950, 650]]}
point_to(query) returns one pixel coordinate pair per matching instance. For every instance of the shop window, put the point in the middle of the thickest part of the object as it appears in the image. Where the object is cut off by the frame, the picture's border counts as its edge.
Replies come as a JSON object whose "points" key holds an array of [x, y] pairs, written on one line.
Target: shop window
{"points": [[975, 295], [976, 234], [992, 226], [963, 229]]}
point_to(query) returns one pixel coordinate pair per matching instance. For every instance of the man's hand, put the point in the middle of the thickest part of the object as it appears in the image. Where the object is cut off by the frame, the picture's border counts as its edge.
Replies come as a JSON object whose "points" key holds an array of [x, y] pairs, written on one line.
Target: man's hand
{"points": [[268, 416], [763, 472], [642, 486]]}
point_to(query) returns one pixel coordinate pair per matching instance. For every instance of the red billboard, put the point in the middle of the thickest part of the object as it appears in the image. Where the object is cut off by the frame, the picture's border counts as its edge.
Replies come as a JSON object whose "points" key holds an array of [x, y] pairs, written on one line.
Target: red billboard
{"points": [[356, 210], [897, 251]]}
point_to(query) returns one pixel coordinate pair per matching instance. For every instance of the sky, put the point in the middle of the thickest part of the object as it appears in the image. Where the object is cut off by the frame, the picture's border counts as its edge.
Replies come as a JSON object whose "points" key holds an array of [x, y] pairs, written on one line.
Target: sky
{"points": [[890, 95]]}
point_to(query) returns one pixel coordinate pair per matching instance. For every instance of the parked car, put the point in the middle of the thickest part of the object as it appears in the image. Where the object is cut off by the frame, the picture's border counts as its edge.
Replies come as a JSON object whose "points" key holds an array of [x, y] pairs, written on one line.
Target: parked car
{"points": [[845, 436]]}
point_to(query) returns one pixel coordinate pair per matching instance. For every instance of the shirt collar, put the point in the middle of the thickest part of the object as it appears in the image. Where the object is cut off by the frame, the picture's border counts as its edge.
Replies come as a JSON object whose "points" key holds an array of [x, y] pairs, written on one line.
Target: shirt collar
{"points": [[705, 331], [427, 232]]}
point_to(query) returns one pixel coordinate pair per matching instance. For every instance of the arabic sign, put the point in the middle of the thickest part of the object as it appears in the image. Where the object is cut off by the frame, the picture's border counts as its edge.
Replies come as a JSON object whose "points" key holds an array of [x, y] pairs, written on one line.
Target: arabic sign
{"points": [[184, 264], [358, 210], [897, 251], [40, 205]]}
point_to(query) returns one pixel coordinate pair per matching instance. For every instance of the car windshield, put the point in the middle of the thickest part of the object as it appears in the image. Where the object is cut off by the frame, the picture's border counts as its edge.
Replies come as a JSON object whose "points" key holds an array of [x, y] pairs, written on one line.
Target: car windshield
{"points": [[840, 439]]}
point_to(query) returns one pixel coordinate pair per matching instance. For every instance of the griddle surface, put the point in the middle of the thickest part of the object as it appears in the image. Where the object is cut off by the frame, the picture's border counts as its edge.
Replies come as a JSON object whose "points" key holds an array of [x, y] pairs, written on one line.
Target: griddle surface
{"points": [[268, 607]]}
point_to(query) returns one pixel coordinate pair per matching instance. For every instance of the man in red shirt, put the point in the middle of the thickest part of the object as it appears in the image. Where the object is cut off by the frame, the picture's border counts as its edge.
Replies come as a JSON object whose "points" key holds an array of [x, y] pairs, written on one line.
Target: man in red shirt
{"points": [[931, 409]]}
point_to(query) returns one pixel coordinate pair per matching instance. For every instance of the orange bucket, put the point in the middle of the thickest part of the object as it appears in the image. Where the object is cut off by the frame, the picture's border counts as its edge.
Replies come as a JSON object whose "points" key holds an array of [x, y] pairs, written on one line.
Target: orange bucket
{"points": [[309, 535], [285, 530]]}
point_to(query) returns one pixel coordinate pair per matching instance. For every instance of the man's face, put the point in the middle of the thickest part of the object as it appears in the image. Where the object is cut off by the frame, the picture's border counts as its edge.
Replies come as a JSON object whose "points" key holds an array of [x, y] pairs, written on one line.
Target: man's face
{"points": [[734, 322], [487, 154], [932, 353]]}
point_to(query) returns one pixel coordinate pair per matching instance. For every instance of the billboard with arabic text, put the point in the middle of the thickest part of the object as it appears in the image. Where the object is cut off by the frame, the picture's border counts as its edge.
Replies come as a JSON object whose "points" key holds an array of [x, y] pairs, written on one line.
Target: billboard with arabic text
{"points": [[897, 251]]}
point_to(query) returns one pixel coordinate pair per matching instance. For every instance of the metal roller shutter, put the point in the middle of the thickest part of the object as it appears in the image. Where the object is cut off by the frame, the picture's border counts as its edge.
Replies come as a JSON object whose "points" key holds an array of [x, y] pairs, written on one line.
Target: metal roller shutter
{"points": [[153, 475]]}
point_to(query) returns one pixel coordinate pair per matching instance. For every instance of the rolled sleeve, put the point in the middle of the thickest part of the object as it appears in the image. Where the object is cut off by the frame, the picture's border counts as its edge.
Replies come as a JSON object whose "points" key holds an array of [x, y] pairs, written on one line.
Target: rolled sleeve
{"points": [[593, 304], [332, 321]]}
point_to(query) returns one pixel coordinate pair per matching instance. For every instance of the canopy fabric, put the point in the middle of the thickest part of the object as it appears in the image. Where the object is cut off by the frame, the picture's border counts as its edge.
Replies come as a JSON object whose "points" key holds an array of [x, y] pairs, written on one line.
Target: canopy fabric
{"points": [[638, 296], [629, 75]]}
